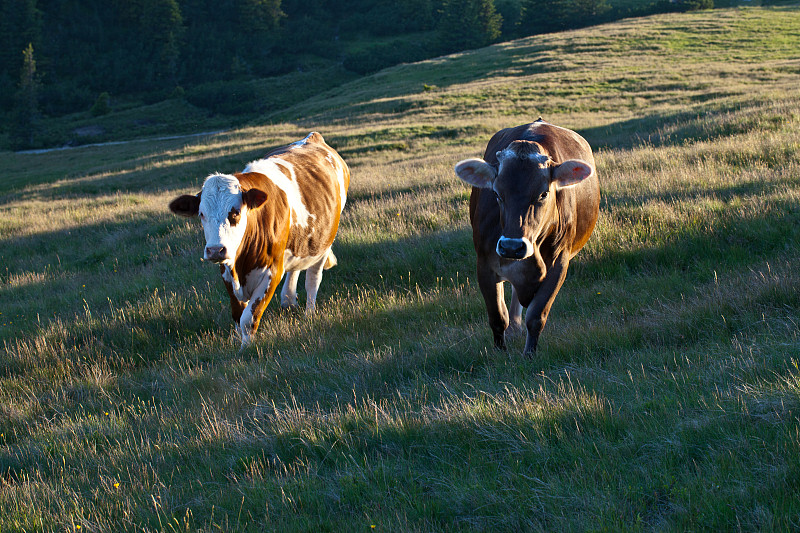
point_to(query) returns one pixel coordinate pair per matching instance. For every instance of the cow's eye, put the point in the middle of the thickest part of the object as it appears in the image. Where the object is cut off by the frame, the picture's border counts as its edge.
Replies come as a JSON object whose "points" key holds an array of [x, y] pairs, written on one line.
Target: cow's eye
{"points": [[234, 216], [543, 196], [202, 216]]}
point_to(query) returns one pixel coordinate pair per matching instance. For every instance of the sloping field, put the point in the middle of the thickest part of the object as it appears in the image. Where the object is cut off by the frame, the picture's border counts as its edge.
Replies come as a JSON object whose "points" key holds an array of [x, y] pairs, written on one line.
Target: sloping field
{"points": [[666, 390]]}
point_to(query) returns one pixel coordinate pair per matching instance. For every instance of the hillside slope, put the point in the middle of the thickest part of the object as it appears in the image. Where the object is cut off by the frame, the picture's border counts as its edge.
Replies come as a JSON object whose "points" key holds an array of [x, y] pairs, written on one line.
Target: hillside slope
{"points": [[665, 393], [656, 67]]}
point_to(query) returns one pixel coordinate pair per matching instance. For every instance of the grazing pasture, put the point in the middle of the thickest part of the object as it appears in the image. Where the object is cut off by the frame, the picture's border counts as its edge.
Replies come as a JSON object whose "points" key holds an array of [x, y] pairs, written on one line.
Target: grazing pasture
{"points": [[665, 394]]}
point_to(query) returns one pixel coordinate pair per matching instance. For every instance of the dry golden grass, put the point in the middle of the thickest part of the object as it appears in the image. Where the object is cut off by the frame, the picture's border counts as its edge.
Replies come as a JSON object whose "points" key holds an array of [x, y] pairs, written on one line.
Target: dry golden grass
{"points": [[665, 394]]}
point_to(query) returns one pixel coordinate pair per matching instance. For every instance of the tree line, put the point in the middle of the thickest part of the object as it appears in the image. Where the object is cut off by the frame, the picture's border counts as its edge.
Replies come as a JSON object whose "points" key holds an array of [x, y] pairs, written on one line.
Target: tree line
{"points": [[58, 56]]}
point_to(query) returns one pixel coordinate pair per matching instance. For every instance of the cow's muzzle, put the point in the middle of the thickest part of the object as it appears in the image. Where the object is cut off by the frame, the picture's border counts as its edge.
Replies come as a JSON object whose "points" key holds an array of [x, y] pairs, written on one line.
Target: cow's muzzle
{"points": [[514, 248], [216, 254]]}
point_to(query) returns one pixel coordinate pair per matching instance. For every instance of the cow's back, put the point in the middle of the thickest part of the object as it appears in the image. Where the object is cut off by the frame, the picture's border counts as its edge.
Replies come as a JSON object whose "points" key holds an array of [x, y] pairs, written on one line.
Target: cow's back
{"points": [[315, 180]]}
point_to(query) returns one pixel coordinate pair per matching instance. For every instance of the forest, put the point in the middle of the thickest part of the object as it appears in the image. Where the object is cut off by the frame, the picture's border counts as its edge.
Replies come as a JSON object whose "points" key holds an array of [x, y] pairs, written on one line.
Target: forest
{"points": [[64, 56]]}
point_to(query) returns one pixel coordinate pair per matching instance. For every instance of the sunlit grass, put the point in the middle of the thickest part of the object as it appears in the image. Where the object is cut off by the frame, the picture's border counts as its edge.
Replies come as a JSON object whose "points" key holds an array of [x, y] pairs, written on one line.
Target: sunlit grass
{"points": [[665, 391]]}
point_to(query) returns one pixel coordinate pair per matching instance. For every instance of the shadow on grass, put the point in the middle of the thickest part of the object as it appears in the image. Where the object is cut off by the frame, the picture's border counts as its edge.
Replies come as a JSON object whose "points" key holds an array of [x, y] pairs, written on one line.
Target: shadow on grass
{"points": [[131, 258], [295, 432], [677, 127], [139, 173], [126, 261], [722, 242], [261, 456]]}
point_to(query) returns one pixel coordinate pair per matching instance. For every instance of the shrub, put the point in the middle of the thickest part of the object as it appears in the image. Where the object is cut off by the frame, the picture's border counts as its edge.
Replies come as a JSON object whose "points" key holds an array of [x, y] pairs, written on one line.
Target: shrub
{"points": [[102, 106]]}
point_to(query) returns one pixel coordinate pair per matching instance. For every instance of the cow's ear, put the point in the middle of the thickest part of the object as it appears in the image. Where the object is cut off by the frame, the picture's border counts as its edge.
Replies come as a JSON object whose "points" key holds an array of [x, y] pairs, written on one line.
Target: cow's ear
{"points": [[570, 172], [186, 205], [476, 172], [254, 198]]}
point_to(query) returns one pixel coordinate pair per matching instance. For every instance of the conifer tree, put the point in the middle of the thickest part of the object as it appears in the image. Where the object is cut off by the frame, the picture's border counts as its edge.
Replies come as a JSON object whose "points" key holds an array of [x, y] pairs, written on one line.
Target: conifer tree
{"points": [[466, 24], [26, 109], [20, 24]]}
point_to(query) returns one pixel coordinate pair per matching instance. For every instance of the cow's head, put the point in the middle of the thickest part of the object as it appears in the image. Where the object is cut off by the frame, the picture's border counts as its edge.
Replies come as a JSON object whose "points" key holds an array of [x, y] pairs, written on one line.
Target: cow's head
{"points": [[223, 208], [524, 182]]}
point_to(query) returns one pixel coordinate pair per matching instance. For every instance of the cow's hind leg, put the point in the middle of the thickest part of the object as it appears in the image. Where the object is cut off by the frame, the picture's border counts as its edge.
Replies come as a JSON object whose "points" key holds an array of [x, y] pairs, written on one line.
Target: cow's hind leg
{"points": [[289, 290], [314, 278]]}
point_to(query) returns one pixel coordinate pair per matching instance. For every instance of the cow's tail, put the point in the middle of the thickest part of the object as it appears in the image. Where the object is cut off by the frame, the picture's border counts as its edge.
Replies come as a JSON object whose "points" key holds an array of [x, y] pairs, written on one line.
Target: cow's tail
{"points": [[331, 261]]}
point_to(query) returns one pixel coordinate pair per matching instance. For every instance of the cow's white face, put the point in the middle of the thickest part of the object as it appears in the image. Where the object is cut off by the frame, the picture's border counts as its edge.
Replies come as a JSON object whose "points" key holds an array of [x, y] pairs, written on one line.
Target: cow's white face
{"points": [[223, 208], [224, 217]]}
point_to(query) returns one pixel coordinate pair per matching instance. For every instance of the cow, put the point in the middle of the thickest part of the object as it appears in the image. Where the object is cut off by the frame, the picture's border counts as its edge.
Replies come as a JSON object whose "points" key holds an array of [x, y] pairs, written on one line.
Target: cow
{"points": [[277, 217], [534, 203]]}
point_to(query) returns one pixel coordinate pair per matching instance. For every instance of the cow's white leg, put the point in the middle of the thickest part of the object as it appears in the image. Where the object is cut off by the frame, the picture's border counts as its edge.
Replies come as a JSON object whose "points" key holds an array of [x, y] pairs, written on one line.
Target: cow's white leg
{"points": [[247, 322], [289, 291], [313, 279], [514, 315]]}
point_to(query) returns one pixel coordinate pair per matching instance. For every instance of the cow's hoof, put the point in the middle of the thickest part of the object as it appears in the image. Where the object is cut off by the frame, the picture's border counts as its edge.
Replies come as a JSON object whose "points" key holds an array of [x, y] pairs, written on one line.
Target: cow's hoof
{"points": [[514, 330], [247, 340], [290, 308]]}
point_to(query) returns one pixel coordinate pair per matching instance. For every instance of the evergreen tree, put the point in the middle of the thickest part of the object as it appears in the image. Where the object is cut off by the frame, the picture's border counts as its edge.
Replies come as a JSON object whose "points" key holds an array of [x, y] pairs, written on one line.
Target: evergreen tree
{"points": [[694, 5], [545, 16], [145, 49], [231, 37], [26, 108], [540, 16], [162, 23], [20, 24], [511, 11], [261, 16], [467, 24], [588, 12]]}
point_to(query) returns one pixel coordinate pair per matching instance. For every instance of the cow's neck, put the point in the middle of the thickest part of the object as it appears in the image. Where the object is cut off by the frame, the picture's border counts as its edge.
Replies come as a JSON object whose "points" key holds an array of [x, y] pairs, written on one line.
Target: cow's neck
{"points": [[245, 263]]}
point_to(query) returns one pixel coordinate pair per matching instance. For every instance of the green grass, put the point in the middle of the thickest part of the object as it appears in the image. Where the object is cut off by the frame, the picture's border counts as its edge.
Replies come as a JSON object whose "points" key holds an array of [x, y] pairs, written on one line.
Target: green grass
{"points": [[665, 393]]}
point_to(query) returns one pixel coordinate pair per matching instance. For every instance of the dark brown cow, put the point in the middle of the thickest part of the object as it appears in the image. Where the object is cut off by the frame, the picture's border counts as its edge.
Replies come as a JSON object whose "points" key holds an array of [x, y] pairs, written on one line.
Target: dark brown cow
{"points": [[535, 201], [280, 215]]}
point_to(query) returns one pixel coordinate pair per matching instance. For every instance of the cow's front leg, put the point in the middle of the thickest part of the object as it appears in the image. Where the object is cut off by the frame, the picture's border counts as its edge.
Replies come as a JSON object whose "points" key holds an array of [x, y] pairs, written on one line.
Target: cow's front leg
{"points": [[514, 314], [237, 307], [539, 308], [251, 317], [492, 291]]}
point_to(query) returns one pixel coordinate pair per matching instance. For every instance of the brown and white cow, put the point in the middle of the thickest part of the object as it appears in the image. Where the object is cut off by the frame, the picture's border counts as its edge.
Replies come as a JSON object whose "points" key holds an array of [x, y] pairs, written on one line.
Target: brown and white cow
{"points": [[279, 216], [534, 203]]}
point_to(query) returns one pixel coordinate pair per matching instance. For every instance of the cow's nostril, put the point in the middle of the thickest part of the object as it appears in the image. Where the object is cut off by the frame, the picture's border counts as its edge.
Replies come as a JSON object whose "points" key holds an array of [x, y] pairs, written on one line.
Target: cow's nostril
{"points": [[511, 248], [215, 252]]}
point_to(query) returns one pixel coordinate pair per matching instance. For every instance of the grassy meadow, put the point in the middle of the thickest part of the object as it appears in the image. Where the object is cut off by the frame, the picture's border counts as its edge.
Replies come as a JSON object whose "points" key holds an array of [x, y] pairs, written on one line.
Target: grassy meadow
{"points": [[666, 391]]}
